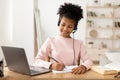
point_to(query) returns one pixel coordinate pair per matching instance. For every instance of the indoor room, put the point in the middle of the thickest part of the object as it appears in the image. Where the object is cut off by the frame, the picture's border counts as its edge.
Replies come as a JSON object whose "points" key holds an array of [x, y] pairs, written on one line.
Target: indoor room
{"points": [[38, 27]]}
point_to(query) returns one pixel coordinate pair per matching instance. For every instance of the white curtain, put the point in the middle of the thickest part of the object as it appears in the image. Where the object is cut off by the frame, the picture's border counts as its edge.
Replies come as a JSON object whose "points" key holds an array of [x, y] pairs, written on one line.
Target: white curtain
{"points": [[38, 28]]}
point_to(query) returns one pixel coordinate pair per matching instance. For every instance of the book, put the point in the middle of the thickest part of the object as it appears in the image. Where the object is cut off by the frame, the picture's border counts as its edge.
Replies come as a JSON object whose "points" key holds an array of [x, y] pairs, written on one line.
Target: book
{"points": [[111, 68], [65, 70], [113, 65], [103, 70]]}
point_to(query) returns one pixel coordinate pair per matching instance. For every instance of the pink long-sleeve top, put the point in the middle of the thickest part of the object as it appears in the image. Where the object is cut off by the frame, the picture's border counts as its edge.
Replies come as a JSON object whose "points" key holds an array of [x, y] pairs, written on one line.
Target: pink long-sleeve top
{"points": [[61, 49]]}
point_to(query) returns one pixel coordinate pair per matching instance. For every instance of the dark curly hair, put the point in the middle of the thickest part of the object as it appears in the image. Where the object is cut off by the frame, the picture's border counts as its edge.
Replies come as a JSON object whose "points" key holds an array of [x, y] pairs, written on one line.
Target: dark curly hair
{"points": [[70, 11]]}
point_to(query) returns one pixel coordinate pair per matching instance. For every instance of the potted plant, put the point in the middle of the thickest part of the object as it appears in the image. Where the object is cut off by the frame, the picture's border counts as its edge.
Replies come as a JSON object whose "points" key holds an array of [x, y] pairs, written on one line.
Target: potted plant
{"points": [[89, 23], [90, 44]]}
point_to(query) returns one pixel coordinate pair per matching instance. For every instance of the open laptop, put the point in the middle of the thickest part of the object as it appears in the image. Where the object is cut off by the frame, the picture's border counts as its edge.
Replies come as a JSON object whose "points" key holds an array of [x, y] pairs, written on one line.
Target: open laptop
{"points": [[17, 61]]}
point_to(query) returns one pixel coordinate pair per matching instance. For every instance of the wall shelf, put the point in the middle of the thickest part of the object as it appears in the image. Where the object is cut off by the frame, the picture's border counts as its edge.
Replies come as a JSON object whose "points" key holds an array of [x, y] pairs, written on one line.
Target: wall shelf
{"points": [[102, 28], [108, 31]]}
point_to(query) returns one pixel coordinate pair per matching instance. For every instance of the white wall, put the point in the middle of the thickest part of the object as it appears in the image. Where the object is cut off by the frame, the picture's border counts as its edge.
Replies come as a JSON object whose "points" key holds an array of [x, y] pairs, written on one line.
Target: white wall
{"points": [[23, 27], [17, 25], [5, 26], [49, 17], [16, 22]]}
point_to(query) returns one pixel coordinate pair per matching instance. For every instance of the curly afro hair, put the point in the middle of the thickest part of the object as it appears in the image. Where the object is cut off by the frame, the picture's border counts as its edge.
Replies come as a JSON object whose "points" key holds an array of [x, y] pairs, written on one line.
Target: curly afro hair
{"points": [[70, 11]]}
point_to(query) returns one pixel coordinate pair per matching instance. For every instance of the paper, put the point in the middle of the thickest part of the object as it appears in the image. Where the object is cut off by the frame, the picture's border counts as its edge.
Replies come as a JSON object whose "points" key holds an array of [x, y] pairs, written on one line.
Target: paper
{"points": [[114, 66], [66, 69], [113, 55]]}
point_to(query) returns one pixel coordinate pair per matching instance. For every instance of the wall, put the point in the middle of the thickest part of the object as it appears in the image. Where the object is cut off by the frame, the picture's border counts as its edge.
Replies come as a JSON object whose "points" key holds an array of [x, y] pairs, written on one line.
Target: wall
{"points": [[5, 26], [49, 18], [17, 25], [16, 22]]}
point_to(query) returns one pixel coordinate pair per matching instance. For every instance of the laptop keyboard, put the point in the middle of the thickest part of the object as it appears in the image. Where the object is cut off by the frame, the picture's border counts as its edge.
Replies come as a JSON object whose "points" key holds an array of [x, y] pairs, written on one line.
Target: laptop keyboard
{"points": [[37, 70], [34, 72]]}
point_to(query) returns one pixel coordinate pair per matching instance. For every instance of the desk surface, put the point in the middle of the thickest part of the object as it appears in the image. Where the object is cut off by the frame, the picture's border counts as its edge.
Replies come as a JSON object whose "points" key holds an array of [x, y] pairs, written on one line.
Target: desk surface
{"points": [[90, 75]]}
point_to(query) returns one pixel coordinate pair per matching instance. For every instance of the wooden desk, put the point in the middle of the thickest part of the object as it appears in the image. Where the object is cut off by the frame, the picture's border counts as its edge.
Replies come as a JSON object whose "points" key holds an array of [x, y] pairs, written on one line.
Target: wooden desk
{"points": [[90, 75]]}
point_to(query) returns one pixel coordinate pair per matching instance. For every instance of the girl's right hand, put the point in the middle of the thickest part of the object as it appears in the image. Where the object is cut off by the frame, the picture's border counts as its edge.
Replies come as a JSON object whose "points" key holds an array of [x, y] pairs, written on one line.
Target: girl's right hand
{"points": [[57, 66]]}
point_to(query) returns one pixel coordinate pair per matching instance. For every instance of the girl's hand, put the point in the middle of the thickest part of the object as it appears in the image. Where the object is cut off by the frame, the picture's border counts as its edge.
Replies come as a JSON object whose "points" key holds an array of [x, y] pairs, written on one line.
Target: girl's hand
{"points": [[79, 70], [57, 66]]}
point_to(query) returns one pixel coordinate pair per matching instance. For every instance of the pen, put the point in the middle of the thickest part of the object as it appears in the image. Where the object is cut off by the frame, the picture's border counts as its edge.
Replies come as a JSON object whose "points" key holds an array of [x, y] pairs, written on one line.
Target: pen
{"points": [[53, 59]]}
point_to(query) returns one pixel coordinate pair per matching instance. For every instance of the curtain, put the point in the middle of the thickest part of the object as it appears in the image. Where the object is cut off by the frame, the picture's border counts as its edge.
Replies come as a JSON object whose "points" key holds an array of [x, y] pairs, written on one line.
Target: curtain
{"points": [[38, 36]]}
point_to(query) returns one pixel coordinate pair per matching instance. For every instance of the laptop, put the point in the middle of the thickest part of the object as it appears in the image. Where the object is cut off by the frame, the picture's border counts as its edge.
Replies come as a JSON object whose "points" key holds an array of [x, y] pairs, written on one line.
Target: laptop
{"points": [[16, 61]]}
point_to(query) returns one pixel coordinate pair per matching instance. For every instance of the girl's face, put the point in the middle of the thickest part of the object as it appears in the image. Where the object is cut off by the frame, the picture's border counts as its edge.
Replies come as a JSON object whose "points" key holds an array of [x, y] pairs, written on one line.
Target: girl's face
{"points": [[66, 27]]}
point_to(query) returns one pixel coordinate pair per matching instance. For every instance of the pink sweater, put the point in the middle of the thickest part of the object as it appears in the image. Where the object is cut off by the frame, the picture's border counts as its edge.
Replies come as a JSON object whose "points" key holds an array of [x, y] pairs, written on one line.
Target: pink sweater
{"points": [[61, 49]]}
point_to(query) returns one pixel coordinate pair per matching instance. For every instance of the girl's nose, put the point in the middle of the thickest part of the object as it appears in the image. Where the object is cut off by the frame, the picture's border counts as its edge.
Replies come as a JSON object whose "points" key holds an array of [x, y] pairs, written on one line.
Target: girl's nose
{"points": [[65, 28]]}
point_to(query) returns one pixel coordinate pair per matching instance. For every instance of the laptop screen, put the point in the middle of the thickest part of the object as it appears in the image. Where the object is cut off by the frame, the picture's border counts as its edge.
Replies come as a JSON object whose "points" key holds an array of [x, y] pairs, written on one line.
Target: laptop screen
{"points": [[17, 61]]}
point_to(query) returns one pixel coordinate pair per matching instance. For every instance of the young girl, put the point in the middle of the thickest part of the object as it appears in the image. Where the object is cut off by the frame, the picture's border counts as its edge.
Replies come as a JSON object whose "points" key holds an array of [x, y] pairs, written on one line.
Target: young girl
{"points": [[63, 49]]}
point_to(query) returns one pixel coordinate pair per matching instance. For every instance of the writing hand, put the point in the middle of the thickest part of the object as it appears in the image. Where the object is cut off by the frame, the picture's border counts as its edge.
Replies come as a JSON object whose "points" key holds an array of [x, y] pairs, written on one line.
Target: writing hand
{"points": [[79, 70], [57, 66]]}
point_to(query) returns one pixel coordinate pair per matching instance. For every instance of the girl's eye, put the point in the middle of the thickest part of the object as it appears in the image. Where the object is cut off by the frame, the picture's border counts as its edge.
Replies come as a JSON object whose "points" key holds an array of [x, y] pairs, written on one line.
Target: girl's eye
{"points": [[70, 26], [62, 24]]}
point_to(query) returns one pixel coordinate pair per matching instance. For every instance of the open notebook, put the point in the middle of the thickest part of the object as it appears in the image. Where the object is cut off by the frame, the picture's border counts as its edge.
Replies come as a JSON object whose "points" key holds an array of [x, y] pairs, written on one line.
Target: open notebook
{"points": [[66, 69], [110, 68]]}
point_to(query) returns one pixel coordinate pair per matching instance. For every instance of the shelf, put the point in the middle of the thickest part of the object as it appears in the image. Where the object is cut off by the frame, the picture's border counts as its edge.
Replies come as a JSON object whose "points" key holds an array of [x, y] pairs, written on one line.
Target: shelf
{"points": [[103, 49], [106, 22], [103, 6], [100, 17], [101, 28], [98, 38], [96, 49]]}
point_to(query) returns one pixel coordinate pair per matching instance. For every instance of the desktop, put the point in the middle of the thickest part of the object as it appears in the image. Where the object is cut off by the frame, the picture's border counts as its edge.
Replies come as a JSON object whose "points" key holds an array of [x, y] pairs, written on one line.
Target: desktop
{"points": [[90, 75]]}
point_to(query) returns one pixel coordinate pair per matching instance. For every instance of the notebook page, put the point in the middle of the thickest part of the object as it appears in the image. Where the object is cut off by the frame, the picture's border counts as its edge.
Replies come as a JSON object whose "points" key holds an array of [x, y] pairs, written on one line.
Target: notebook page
{"points": [[113, 66], [66, 69]]}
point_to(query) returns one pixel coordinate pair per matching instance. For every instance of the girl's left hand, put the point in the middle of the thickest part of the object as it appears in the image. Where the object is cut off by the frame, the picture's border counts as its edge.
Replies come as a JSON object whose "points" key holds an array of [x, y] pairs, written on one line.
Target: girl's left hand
{"points": [[79, 70]]}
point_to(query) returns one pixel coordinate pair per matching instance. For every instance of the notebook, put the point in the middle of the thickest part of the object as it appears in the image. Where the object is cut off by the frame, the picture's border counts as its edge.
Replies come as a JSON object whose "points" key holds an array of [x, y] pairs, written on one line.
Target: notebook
{"points": [[16, 60], [65, 70]]}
